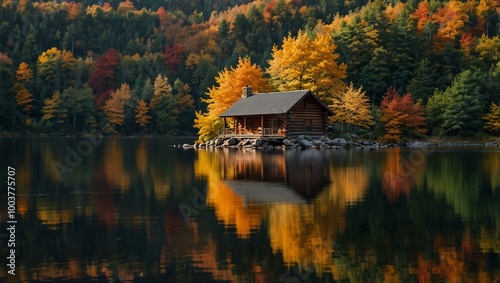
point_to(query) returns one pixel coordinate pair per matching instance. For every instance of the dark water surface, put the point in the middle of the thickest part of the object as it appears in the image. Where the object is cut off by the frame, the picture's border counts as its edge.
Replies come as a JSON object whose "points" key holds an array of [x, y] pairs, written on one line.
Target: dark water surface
{"points": [[140, 210]]}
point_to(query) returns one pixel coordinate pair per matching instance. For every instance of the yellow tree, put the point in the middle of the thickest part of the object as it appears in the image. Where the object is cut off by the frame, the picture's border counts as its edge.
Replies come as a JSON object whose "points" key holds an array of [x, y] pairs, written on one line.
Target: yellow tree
{"points": [[488, 49], [24, 99], [492, 119], [352, 107], [141, 114], [228, 90], [52, 109], [161, 88], [307, 63], [114, 108]]}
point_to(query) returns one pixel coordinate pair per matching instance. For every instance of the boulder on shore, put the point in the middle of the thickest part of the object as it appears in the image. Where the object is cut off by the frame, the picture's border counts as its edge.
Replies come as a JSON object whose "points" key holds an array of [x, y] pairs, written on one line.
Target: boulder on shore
{"points": [[257, 142], [339, 142], [305, 143]]}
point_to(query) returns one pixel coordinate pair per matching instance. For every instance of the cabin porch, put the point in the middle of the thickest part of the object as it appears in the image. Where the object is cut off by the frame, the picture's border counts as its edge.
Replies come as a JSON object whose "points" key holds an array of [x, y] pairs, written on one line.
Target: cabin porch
{"points": [[253, 127]]}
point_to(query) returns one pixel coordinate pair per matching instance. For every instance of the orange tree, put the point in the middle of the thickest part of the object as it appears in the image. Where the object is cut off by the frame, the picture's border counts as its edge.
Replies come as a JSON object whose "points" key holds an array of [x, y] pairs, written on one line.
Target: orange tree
{"points": [[230, 82]]}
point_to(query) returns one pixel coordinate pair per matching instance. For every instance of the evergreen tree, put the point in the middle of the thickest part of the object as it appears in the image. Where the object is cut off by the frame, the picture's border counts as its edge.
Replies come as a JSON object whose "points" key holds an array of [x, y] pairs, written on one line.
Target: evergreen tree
{"points": [[79, 104], [458, 109], [423, 83], [375, 75], [403, 48]]}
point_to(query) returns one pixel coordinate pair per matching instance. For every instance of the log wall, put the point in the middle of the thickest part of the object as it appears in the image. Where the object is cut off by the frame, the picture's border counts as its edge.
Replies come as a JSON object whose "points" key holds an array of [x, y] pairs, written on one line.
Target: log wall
{"points": [[308, 109]]}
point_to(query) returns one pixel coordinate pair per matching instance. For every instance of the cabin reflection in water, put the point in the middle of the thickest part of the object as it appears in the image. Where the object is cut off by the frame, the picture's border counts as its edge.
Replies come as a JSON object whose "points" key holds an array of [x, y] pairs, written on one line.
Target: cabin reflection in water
{"points": [[275, 176]]}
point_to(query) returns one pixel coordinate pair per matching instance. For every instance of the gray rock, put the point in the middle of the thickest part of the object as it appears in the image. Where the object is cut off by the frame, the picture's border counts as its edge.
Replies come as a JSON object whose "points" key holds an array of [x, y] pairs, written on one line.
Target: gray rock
{"points": [[339, 141], [257, 142], [305, 143], [325, 140], [299, 138], [418, 144], [232, 141], [287, 142], [316, 142]]}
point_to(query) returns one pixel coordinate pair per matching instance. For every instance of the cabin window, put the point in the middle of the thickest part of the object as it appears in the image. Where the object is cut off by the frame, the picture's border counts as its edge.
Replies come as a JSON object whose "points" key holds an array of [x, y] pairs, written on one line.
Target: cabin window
{"points": [[308, 125]]}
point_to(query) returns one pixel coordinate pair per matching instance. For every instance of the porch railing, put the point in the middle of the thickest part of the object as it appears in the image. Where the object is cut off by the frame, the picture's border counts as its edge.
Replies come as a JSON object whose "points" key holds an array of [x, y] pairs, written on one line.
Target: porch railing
{"points": [[246, 132]]}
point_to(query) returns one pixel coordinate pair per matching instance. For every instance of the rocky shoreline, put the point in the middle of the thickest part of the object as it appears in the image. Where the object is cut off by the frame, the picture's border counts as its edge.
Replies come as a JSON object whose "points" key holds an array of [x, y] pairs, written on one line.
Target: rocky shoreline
{"points": [[308, 142]]}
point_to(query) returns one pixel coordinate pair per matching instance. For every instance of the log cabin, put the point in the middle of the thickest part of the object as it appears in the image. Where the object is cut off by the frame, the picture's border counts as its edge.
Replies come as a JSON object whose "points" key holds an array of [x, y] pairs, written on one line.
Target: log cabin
{"points": [[275, 176], [279, 115]]}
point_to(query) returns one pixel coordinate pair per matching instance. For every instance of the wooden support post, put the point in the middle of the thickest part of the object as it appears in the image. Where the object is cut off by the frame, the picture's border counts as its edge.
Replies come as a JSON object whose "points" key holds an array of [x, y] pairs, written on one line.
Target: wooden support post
{"points": [[224, 126], [262, 125]]}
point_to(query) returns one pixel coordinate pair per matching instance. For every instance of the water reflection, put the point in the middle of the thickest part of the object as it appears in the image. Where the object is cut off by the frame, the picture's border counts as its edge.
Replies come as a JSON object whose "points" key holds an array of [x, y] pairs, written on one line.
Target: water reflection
{"points": [[394, 215]]}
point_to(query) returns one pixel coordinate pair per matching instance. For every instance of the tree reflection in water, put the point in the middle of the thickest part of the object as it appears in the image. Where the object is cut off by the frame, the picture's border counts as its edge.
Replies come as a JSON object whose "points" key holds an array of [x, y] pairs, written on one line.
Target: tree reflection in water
{"points": [[264, 215]]}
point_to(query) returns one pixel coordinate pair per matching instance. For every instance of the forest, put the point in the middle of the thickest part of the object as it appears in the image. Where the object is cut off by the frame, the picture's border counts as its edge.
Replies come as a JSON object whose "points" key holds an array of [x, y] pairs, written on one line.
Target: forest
{"points": [[389, 70]]}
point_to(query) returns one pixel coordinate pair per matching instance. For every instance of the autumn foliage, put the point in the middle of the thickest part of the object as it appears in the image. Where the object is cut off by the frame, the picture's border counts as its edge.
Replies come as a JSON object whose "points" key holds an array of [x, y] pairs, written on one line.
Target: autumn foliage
{"points": [[401, 115], [52, 109], [492, 118], [352, 108], [114, 108], [102, 79], [141, 114], [24, 99], [315, 45], [24, 74], [230, 82], [303, 62]]}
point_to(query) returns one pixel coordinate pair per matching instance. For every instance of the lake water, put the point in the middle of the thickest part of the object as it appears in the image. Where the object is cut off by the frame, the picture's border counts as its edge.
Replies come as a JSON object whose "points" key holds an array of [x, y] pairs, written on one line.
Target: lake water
{"points": [[140, 210]]}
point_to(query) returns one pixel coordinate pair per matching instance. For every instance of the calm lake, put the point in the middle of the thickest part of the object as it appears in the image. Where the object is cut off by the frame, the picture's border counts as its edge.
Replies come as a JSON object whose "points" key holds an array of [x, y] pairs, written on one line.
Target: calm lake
{"points": [[141, 210]]}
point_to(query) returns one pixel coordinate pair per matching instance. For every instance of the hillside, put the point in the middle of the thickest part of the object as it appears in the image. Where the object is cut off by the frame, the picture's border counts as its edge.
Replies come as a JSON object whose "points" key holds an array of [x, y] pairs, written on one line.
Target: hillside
{"points": [[147, 66]]}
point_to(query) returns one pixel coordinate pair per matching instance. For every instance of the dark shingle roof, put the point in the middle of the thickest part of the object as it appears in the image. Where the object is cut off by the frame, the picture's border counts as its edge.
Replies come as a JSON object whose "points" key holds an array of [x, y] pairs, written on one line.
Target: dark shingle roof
{"points": [[265, 103]]}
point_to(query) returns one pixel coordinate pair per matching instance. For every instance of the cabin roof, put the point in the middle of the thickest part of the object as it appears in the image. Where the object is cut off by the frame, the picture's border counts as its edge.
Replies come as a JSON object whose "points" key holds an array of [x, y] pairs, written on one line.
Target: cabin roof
{"points": [[264, 192], [268, 103]]}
